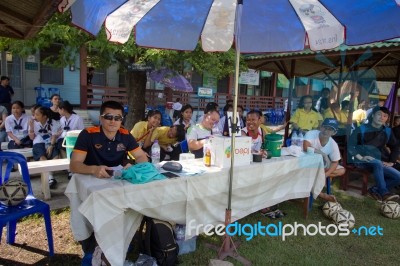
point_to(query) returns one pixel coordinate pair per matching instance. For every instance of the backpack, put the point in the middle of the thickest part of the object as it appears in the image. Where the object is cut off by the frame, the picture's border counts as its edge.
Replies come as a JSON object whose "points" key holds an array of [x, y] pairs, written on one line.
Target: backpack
{"points": [[362, 130], [158, 240]]}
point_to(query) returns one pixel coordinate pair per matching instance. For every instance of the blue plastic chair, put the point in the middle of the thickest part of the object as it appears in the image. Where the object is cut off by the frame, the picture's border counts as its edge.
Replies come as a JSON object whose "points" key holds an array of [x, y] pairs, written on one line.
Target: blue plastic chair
{"points": [[41, 95], [53, 91], [9, 215], [184, 146]]}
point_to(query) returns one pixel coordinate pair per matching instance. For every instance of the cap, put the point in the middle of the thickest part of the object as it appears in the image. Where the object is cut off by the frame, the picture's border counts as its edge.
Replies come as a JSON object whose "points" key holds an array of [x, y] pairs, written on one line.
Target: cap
{"points": [[331, 122]]}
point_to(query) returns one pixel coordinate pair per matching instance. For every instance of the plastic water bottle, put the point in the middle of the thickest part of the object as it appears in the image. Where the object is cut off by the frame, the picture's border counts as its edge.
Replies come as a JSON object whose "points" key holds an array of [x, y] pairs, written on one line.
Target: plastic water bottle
{"points": [[180, 232], [155, 152], [295, 139], [300, 140]]}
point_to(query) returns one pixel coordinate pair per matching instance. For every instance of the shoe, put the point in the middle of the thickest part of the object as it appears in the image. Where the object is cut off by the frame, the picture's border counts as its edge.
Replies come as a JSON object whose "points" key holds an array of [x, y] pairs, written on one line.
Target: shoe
{"points": [[52, 183], [390, 197], [87, 259], [374, 195], [279, 214]]}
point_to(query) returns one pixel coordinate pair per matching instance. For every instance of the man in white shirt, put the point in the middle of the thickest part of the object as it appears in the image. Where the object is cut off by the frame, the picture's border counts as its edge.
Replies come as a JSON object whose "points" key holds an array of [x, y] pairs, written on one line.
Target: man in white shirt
{"points": [[323, 143]]}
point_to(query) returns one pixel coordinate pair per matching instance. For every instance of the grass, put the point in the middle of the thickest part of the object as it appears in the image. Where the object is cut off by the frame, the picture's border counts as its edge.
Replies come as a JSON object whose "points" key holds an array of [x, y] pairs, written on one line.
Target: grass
{"points": [[315, 250], [264, 250]]}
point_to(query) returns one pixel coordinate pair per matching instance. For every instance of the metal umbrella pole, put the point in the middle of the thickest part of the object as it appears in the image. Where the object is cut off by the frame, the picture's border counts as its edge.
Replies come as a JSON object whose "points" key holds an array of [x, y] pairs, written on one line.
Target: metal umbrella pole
{"points": [[228, 247]]}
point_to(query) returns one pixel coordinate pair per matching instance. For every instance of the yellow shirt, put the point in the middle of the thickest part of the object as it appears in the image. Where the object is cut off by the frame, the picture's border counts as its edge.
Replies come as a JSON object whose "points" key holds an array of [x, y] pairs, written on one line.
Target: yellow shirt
{"points": [[306, 121], [139, 130], [161, 134], [359, 115], [341, 116], [266, 130]]}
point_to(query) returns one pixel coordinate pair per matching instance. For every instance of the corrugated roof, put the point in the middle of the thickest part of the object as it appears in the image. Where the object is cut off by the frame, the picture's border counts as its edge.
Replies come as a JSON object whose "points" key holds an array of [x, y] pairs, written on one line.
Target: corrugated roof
{"points": [[22, 19], [378, 61]]}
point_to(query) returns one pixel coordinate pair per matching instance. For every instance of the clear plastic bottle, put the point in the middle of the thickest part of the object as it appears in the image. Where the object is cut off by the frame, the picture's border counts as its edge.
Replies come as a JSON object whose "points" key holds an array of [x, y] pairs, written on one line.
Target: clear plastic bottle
{"points": [[155, 152], [300, 140], [180, 232], [295, 139]]}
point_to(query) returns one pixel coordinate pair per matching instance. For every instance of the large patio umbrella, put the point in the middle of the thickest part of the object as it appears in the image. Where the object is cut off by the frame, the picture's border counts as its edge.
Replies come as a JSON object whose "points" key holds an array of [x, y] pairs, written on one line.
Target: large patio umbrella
{"points": [[255, 26]]}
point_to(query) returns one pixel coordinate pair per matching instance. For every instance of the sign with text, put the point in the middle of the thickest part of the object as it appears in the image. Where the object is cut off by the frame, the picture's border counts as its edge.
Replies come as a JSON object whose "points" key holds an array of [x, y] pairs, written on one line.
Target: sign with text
{"points": [[205, 92], [251, 77]]}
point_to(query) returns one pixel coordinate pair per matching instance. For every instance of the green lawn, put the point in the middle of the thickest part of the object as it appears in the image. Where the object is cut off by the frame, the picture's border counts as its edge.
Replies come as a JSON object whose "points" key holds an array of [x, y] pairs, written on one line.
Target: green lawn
{"points": [[314, 250]]}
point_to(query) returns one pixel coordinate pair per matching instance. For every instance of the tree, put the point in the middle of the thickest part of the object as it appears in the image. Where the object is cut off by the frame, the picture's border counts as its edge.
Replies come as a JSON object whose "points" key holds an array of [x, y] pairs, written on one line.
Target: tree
{"points": [[104, 53]]}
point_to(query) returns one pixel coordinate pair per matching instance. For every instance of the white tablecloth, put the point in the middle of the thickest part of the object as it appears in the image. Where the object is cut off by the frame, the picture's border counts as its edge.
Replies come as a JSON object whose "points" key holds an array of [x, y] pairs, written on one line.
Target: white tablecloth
{"points": [[113, 209]]}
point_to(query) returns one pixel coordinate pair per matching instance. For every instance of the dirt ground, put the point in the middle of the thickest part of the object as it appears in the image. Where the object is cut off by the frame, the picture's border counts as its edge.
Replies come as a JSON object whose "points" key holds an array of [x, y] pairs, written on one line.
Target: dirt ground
{"points": [[31, 246]]}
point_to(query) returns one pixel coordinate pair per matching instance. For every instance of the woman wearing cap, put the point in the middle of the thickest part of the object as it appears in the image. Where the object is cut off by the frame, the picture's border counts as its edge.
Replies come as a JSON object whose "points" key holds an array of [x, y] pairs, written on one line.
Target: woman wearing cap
{"points": [[323, 143]]}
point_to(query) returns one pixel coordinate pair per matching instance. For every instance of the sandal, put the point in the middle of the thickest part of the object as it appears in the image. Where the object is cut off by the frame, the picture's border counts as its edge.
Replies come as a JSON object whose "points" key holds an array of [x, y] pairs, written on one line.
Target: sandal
{"points": [[270, 214], [279, 214]]}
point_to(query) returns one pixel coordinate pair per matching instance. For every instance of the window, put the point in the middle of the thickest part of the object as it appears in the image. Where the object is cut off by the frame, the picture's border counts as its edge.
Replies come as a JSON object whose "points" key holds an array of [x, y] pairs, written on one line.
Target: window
{"points": [[51, 74], [14, 70], [99, 77]]}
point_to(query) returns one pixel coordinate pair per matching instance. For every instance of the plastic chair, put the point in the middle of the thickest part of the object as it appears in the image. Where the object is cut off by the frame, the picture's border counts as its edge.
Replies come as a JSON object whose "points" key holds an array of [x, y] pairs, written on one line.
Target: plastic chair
{"points": [[184, 146], [9, 215], [53, 91], [41, 95]]}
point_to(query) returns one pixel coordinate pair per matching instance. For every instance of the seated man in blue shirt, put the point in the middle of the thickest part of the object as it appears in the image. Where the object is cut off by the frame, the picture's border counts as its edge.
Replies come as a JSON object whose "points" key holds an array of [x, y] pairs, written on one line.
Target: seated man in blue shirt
{"points": [[98, 149], [368, 149]]}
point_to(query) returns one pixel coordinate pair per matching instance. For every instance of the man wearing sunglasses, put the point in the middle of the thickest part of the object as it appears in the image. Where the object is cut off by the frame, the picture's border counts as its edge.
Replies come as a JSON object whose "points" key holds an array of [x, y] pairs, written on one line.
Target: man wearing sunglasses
{"points": [[98, 149]]}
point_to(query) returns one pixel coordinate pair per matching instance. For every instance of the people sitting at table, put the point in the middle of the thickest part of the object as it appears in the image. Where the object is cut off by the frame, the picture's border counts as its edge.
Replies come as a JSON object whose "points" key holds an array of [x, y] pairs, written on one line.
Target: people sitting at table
{"points": [[69, 121], [185, 117], [253, 130], [197, 134], [143, 130], [210, 106], [43, 131], [17, 126], [100, 148], [323, 143], [306, 117], [368, 149], [168, 139]]}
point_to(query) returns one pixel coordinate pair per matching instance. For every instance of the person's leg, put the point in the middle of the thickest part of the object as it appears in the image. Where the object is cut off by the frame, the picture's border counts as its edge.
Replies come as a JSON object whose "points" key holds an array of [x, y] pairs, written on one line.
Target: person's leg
{"points": [[88, 247], [392, 177], [377, 169]]}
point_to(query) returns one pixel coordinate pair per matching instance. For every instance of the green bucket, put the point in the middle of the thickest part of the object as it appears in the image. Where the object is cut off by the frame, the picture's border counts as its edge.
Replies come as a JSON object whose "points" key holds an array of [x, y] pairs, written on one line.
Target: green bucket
{"points": [[274, 144], [70, 140]]}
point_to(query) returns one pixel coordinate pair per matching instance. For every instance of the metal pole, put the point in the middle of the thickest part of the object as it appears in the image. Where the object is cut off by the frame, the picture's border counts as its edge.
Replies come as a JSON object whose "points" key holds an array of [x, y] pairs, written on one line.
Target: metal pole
{"points": [[235, 98]]}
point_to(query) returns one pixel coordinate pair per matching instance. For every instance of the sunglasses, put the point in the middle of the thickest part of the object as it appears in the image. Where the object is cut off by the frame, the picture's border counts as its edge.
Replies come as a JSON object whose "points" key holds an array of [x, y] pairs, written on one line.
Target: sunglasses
{"points": [[110, 117]]}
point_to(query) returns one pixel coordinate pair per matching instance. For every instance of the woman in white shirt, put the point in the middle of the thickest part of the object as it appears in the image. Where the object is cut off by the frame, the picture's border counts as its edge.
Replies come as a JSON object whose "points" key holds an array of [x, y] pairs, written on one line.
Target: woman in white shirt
{"points": [[185, 117], [43, 131], [69, 121], [17, 125]]}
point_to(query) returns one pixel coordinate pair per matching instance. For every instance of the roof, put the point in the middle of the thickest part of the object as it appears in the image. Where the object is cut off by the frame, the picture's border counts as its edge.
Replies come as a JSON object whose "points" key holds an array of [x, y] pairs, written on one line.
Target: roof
{"points": [[24, 19], [376, 61]]}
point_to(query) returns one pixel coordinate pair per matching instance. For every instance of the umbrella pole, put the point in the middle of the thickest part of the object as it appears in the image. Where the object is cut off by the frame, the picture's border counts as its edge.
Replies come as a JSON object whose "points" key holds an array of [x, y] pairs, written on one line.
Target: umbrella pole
{"points": [[229, 248]]}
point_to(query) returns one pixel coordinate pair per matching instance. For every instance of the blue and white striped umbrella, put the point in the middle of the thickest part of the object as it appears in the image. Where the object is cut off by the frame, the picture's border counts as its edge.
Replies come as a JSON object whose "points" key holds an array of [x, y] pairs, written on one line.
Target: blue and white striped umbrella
{"points": [[265, 25]]}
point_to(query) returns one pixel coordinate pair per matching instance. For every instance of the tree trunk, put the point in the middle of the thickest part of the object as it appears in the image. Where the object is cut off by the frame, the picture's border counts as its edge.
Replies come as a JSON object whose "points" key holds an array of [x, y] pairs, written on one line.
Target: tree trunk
{"points": [[136, 88]]}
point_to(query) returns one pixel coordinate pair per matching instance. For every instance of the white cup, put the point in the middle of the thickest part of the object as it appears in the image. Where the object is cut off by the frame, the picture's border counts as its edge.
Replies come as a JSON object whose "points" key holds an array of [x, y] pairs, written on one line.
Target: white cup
{"points": [[186, 156], [310, 150]]}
